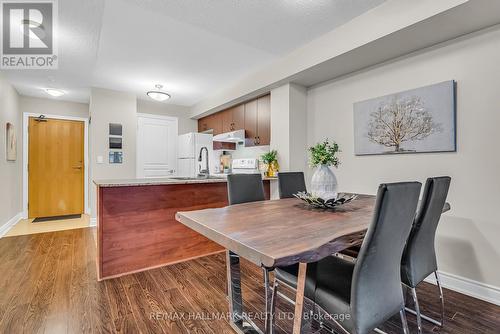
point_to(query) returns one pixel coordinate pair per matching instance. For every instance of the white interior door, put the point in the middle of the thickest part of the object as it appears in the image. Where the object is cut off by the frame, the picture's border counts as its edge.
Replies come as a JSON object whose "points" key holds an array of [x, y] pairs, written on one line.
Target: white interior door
{"points": [[156, 145]]}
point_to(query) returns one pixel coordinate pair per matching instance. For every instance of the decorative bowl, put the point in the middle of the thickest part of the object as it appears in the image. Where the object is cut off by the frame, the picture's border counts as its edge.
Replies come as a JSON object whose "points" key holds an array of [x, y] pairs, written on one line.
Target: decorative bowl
{"points": [[317, 202]]}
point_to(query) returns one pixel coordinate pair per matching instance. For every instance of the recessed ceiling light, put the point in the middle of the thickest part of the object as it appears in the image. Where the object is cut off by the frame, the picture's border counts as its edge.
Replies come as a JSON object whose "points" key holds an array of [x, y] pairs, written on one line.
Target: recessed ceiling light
{"points": [[157, 94], [55, 92]]}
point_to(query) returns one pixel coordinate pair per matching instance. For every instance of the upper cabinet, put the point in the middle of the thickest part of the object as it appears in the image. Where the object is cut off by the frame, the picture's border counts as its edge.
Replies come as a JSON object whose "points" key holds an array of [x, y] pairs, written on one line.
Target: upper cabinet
{"points": [[251, 123], [253, 116], [258, 121], [227, 120], [233, 118], [215, 123], [202, 124], [211, 122], [264, 120], [238, 114]]}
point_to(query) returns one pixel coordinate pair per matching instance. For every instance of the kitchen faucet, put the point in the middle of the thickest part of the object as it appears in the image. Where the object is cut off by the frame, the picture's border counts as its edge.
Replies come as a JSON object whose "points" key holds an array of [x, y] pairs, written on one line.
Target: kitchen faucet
{"points": [[204, 172]]}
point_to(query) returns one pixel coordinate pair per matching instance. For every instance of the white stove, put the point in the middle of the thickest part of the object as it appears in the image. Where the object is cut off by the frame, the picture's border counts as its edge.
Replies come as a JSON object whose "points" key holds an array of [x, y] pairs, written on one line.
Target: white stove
{"points": [[245, 166]]}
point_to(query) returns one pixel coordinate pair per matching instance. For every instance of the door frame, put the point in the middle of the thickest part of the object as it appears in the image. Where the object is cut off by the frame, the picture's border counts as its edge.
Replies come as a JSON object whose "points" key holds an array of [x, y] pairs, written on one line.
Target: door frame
{"points": [[26, 116], [137, 142]]}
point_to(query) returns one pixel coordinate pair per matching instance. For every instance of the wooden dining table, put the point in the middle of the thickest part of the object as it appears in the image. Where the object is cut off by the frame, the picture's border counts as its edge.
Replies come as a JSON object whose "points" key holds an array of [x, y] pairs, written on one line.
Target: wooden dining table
{"points": [[279, 233]]}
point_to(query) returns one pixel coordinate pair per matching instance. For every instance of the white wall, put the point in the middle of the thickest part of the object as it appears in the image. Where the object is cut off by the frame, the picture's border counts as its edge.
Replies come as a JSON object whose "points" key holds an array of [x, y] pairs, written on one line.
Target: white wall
{"points": [[288, 117], [107, 106], [467, 241], [51, 106], [280, 124], [10, 171], [298, 138], [186, 124], [288, 135], [253, 152]]}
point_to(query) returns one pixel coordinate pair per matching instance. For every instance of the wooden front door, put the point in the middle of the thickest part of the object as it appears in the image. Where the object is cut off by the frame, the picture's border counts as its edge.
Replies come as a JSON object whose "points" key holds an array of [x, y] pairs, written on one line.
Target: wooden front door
{"points": [[55, 167]]}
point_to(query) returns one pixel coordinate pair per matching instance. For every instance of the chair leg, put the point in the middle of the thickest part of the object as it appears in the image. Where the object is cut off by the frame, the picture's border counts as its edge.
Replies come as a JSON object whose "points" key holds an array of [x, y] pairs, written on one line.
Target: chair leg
{"points": [[417, 310], [267, 292], [272, 312], [441, 297], [402, 314]]}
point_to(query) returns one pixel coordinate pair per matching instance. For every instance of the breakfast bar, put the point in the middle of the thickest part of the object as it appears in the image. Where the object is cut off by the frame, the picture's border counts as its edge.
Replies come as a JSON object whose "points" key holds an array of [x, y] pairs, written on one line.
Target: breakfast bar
{"points": [[136, 226]]}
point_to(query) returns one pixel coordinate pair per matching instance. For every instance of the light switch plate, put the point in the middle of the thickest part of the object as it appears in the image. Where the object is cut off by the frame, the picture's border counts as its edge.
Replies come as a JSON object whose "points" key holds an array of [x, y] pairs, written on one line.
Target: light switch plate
{"points": [[100, 159]]}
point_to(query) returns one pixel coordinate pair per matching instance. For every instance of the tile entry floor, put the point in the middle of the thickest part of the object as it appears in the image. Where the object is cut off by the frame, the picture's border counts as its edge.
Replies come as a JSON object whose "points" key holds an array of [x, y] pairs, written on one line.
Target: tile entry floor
{"points": [[26, 226]]}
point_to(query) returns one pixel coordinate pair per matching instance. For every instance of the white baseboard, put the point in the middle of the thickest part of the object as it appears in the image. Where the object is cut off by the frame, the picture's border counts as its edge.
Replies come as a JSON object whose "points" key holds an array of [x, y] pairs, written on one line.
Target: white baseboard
{"points": [[11, 222], [93, 222], [468, 287]]}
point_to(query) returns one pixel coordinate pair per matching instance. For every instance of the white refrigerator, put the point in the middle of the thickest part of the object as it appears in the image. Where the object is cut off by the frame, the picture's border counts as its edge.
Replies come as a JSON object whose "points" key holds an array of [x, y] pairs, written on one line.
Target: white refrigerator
{"points": [[190, 145]]}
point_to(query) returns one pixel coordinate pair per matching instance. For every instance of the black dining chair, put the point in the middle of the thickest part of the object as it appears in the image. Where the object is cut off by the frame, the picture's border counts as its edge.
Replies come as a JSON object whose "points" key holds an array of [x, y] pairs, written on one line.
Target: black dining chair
{"points": [[369, 290], [419, 256], [290, 183], [244, 188]]}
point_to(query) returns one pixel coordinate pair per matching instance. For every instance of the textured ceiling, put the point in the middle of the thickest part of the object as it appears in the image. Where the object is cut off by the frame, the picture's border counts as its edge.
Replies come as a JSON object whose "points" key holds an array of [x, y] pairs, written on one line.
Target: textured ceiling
{"points": [[79, 29], [193, 47], [274, 26]]}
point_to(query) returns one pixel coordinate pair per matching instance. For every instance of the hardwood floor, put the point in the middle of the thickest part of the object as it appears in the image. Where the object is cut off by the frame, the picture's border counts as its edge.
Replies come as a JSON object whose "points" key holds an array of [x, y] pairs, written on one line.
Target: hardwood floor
{"points": [[48, 285]]}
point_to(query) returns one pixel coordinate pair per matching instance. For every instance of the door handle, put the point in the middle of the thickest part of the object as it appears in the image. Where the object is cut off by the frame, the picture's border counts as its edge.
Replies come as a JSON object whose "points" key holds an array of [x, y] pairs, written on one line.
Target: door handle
{"points": [[77, 167]]}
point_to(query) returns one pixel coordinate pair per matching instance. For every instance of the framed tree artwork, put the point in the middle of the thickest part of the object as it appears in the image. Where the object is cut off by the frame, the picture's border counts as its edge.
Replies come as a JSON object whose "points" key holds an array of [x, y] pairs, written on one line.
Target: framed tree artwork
{"points": [[11, 147], [414, 121]]}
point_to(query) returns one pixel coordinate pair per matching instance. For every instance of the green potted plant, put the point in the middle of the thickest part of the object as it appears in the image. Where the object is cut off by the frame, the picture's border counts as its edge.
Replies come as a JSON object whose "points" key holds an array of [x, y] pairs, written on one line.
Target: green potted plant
{"points": [[271, 161], [324, 182]]}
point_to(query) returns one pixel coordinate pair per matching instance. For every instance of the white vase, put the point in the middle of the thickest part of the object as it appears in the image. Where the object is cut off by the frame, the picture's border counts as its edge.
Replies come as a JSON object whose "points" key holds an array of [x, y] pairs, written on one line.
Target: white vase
{"points": [[324, 183]]}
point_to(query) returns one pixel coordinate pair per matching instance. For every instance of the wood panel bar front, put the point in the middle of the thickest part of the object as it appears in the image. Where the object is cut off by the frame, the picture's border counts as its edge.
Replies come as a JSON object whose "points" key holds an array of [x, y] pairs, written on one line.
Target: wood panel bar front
{"points": [[137, 230]]}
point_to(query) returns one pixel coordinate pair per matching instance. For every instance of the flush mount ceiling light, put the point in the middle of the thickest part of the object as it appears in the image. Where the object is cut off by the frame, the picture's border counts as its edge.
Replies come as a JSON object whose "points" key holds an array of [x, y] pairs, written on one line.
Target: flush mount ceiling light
{"points": [[157, 94], [54, 92]]}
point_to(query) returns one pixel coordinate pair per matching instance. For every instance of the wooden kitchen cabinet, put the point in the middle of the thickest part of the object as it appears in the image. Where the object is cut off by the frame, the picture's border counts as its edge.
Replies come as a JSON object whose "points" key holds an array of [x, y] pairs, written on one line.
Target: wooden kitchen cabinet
{"points": [[258, 121], [227, 120], [233, 118], [202, 124], [251, 123], [239, 117], [264, 120], [253, 116], [213, 122]]}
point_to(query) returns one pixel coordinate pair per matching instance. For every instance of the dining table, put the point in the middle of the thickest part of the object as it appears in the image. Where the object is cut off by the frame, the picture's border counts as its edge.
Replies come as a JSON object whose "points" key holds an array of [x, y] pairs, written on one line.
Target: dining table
{"points": [[277, 233]]}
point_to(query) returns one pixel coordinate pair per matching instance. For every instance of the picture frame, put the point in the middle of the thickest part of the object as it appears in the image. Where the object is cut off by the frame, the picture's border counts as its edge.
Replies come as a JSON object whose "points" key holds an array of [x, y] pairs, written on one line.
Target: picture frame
{"points": [[11, 142], [421, 120]]}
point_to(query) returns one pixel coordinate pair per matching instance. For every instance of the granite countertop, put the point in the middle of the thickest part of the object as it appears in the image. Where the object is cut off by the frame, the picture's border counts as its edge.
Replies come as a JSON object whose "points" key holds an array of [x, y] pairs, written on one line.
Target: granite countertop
{"points": [[153, 182], [160, 181]]}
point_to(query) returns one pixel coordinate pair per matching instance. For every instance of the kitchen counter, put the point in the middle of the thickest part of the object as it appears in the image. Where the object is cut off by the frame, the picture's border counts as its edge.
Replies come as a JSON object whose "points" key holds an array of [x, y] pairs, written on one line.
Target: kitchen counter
{"points": [[136, 226], [154, 181], [164, 181]]}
